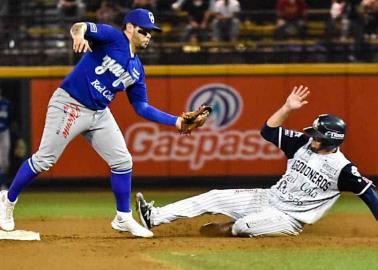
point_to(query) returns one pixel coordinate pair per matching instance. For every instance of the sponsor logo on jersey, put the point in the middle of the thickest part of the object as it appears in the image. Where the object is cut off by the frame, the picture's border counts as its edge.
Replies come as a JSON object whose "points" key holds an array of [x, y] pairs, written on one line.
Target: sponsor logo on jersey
{"points": [[216, 140], [292, 133], [102, 90], [290, 178], [309, 190], [329, 169], [124, 77]]}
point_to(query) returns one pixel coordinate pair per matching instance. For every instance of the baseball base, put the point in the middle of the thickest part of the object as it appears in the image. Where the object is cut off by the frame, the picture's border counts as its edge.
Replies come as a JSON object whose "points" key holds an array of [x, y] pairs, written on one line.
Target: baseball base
{"points": [[20, 235]]}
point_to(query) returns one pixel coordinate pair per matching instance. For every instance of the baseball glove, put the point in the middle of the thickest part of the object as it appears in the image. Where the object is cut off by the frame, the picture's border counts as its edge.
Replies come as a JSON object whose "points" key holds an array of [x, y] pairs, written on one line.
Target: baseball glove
{"points": [[194, 119]]}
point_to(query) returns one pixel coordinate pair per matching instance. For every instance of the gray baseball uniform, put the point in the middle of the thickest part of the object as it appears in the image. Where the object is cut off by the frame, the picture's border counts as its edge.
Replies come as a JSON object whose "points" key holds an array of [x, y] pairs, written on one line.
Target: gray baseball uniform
{"points": [[65, 119], [80, 106]]}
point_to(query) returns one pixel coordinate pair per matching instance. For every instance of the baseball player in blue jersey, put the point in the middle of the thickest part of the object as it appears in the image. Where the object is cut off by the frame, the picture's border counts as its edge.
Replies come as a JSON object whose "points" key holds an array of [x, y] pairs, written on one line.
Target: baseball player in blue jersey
{"points": [[5, 142], [80, 106], [316, 174]]}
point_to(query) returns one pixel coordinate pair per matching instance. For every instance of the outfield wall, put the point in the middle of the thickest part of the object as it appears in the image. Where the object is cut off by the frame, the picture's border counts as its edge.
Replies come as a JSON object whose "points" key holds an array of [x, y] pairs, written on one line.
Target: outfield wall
{"points": [[243, 96]]}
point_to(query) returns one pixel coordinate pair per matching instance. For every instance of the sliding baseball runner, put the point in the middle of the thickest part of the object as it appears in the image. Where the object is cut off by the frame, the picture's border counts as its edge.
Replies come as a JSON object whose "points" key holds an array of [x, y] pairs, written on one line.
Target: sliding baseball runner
{"points": [[316, 173]]}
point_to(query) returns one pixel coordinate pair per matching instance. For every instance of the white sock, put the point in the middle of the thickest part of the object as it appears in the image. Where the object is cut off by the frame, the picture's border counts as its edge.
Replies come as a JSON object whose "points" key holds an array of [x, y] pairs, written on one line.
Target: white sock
{"points": [[125, 215]]}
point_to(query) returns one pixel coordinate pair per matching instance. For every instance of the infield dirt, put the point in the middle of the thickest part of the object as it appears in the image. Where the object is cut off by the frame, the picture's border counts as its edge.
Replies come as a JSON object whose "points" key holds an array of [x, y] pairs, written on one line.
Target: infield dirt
{"points": [[92, 244]]}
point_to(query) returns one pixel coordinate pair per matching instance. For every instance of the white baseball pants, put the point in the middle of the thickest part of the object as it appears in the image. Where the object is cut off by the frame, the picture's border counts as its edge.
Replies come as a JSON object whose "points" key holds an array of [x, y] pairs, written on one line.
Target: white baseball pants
{"points": [[250, 208]]}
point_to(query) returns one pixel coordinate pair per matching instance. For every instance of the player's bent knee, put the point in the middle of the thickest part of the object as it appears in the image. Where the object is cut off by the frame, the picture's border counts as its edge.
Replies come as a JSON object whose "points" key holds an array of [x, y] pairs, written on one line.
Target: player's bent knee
{"points": [[244, 227], [263, 225], [122, 165], [43, 164], [239, 228]]}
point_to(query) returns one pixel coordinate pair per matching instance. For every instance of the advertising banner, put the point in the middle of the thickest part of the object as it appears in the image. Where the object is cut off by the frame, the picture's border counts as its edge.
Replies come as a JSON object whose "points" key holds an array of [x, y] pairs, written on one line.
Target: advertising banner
{"points": [[230, 142]]}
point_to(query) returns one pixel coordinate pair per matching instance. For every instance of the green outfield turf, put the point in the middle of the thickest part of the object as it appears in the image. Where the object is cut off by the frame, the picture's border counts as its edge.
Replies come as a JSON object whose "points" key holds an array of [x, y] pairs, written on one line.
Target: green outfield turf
{"points": [[254, 255], [101, 204], [81, 204]]}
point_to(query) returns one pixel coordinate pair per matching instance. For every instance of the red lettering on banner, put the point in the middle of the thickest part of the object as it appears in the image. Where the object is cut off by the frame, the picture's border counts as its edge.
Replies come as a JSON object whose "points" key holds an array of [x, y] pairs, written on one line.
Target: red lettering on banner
{"points": [[184, 146], [205, 148], [164, 148], [230, 145], [251, 143], [147, 142], [142, 140]]}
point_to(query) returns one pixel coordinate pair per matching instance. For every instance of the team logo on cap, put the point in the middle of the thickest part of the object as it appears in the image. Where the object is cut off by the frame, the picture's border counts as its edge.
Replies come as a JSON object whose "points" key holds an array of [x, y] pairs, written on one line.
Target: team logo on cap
{"points": [[225, 100], [334, 135], [151, 16]]}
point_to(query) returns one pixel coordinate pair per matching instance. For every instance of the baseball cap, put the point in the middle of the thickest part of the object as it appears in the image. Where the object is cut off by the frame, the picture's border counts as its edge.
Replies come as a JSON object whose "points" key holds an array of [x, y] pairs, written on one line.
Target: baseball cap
{"points": [[142, 18]]}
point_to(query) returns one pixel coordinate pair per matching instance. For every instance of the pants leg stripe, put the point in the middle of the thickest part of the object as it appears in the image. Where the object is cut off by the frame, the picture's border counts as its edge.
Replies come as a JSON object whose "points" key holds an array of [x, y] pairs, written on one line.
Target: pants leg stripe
{"points": [[233, 203], [32, 166], [121, 172]]}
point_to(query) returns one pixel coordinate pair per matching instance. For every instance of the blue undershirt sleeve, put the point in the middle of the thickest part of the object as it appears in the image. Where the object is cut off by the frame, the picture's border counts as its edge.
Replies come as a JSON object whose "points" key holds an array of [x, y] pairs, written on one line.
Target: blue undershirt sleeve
{"points": [[370, 197], [101, 33], [148, 112]]}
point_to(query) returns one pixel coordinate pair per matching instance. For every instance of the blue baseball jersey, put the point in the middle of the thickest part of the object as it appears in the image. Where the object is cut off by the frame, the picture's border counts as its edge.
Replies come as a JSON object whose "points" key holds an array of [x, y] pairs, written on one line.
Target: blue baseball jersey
{"points": [[5, 116], [111, 67]]}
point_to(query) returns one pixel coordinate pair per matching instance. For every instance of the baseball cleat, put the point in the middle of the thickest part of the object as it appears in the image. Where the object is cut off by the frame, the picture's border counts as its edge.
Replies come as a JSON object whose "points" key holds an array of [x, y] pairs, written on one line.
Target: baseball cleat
{"points": [[6, 212], [144, 210], [127, 223]]}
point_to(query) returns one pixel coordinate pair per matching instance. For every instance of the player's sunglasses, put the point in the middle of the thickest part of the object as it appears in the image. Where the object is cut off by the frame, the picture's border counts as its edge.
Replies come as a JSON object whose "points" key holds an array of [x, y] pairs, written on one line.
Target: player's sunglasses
{"points": [[144, 32]]}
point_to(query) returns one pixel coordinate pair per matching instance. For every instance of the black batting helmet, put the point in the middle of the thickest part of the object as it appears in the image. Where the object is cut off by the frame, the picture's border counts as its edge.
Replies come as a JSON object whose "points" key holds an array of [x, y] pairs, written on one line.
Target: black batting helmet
{"points": [[329, 129]]}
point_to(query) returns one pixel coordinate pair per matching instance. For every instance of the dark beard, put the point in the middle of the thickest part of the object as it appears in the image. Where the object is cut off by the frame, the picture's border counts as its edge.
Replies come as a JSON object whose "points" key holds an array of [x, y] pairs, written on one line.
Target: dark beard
{"points": [[316, 151], [313, 149]]}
